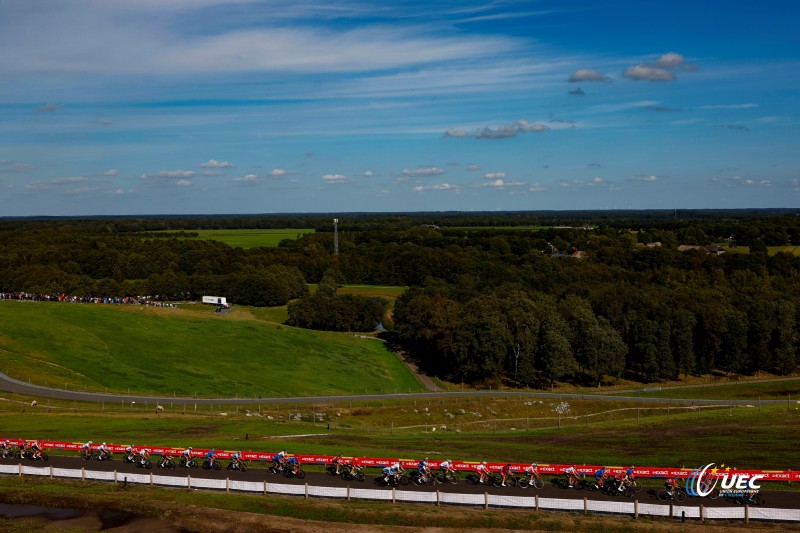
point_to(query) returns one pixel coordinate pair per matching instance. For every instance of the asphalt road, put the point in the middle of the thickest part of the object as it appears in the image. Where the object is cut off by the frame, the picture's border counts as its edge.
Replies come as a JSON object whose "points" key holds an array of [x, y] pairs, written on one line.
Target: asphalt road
{"points": [[10, 384], [258, 472]]}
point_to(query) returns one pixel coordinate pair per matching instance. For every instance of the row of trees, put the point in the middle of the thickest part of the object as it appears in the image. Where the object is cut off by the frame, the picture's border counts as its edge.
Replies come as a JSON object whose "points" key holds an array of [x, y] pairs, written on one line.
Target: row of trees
{"points": [[485, 303]]}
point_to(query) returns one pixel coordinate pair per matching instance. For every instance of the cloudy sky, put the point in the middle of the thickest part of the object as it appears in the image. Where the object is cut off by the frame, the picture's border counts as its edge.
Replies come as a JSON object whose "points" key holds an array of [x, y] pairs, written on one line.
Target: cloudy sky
{"points": [[263, 106]]}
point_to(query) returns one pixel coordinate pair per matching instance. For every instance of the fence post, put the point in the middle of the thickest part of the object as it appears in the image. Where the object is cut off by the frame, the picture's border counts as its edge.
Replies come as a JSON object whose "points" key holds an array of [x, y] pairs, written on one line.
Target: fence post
{"points": [[228, 485], [394, 494], [486, 500], [636, 509], [151, 479], [189, 482], [265, 487], [702, 514], [115, 475], [51, 474], [747, 514], [671, 516], [306, 493], [585, 505], [537, 502], [348, 492], [20, 469], [83, 472], [437, 497]]}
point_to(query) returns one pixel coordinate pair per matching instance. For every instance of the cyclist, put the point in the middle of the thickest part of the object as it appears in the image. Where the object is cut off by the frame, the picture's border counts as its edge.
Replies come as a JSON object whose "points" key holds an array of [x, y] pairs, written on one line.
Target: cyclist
{"points": [[391, 472], [37, 452], [211, 456], [423, 470], [625, 479], [447, 467], [572, 475], [532, 472], [290, 463], [504, 473], [104, 452], [130, 452], [671, 484], [600, 476], [5, 449], [144, 456], [355, 466], [166, 456], [483, 472], [278, 459], [235, 459], [187, 456], [87, 449], [338, 463]]}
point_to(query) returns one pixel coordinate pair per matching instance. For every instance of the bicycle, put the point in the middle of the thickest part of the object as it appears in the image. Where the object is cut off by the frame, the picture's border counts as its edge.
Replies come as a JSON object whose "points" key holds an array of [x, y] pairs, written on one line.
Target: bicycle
{"points": [[749, 499], [354, 473], [448, 476], [533, 480], [677, 494]]}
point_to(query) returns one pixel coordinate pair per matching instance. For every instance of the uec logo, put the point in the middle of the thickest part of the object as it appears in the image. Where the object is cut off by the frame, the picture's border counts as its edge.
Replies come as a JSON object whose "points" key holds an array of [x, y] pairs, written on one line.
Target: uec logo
{"points": [[702, 481]]}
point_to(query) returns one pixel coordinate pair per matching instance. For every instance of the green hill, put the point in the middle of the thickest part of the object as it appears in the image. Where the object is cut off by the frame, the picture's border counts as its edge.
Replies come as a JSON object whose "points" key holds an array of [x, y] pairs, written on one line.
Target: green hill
{"points": [[186, 352]]}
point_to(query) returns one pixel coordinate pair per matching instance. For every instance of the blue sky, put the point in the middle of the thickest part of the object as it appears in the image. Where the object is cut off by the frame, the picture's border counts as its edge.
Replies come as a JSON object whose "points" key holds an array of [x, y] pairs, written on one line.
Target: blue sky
{"points": [[260, 106]]}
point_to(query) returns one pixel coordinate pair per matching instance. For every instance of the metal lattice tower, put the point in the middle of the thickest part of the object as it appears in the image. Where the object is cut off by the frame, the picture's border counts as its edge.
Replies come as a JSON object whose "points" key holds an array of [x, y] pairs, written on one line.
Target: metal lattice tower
{"points": [[335, 236]]}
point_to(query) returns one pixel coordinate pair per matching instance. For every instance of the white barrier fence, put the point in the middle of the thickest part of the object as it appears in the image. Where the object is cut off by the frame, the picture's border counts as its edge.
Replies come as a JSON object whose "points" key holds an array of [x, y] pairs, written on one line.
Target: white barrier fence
{"points": [[484, 500]]}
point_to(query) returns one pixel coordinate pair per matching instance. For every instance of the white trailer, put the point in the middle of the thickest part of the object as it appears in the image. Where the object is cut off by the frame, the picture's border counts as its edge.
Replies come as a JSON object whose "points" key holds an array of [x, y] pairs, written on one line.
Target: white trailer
{"points": [[215, 300]]}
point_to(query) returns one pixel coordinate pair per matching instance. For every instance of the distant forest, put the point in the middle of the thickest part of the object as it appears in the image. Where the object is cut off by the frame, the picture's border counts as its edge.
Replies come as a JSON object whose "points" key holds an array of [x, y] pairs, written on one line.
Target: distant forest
{"points": [[526, 298]]}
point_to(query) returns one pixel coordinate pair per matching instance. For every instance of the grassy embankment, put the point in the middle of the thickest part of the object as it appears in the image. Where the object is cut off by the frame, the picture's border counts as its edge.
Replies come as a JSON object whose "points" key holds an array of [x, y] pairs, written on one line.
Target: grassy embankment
{"points": [[188, 352]]}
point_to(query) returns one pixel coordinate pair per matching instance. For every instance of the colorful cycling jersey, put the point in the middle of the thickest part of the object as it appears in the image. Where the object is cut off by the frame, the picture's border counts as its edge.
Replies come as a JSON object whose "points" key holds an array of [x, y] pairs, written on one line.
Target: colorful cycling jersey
{"points": [[422, 466], [629, 472], [600, 473], [530, 469], [210, 453], [444, 465], [571, 470], [481, 468], [187, 453], [292, 461]]}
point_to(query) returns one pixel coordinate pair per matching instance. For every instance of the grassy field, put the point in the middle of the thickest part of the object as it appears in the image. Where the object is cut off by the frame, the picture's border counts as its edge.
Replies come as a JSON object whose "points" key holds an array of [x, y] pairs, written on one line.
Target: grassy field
{"points": [[776, 390], [186, 352], [496, 429], [251, 238]]}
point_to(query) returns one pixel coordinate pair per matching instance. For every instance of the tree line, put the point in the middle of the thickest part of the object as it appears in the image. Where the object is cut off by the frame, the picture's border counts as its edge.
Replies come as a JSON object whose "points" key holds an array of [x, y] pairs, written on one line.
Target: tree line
{"points": [[492, 296]]}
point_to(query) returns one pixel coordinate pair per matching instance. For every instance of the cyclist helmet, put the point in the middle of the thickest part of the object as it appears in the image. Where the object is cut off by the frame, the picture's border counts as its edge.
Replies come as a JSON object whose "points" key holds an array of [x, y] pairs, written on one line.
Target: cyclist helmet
{"points": [[104, 444], [534, 465], [484, 462]]}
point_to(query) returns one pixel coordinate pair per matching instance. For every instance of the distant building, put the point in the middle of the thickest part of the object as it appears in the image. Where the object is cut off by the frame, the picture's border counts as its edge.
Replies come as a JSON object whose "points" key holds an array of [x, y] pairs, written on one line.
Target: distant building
{"points": [[709, 248]]}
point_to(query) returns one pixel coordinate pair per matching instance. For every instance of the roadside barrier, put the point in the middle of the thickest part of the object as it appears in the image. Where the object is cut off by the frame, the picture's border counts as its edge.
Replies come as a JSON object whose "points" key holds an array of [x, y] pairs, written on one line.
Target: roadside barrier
{"points": [[485, 500]]}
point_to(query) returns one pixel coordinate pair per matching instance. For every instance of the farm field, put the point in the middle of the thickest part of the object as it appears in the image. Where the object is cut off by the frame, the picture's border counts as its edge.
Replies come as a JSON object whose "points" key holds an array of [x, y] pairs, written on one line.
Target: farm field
{"points": [[251, 238], [188, 352]]}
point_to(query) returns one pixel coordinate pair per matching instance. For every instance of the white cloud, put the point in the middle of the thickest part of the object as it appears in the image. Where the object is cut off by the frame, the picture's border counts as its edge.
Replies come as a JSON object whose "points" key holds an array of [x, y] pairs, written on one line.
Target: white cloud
{"points": [[422, 171], [728, 106], [502, 132], [121, 191], [368, 174], [440, 187], [597, 179], [335, 178], [473, 166], [183, 182], [650, 178], [58, 182], [277, 172], [648, 73], [494, 175], [111, 172], [587, 74], [536, 127], [248, 178], [172, 174], [670, 60], [15, 166], [213, 163], [455, 133]]}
